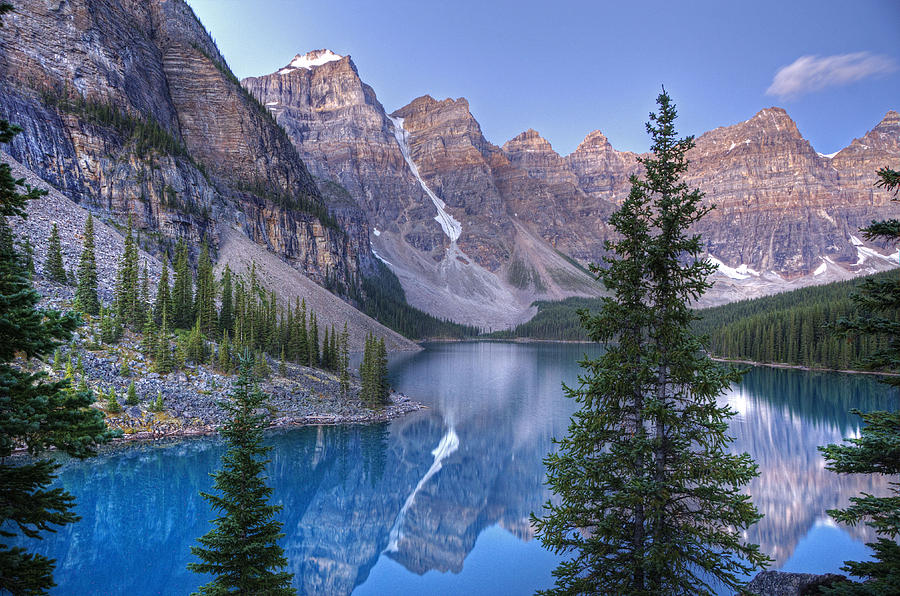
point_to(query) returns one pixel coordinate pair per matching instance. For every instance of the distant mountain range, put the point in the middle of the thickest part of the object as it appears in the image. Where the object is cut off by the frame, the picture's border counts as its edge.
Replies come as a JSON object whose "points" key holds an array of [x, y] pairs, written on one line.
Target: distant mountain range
{"points": [[786, 215], [130, 110]]}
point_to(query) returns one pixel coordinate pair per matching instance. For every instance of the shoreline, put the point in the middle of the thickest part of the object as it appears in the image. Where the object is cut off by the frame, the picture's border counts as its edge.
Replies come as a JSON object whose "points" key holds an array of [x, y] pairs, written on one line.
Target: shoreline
{"points": [[848, 371], [400, 405]]}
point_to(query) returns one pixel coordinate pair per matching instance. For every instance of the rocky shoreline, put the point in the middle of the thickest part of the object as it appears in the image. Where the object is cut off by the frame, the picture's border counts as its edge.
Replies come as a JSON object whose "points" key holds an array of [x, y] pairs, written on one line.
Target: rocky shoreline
{"points": [[807, 368], [297, 395]]}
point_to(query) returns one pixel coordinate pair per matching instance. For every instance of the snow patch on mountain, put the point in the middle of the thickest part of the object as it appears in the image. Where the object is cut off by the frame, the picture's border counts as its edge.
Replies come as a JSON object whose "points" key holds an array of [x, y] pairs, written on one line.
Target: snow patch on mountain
{"points": [[450, 226], [742, 271], [310, 60]]}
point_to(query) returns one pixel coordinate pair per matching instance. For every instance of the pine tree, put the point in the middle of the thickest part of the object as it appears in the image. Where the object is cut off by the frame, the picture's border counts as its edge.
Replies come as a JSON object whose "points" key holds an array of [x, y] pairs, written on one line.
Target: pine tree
{"points": [[299, 339], [182, 291], [195, 348], [326, 351], [224, 360], [877, 450], [163, 305], [28, 256], [112, 404], [149, 341], [127, 284], [645, 466], [345, 361], [313, 343], [143, 313], [54, 269], [242, 550], [131, 396], [164, 362], [205, 303], [226, 311], [86, 298]]}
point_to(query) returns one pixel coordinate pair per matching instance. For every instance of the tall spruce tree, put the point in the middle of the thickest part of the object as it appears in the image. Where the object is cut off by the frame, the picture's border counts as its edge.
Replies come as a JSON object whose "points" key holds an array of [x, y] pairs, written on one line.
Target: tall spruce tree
{"points": [[54, 269], [649, 497], [205, 302], [86, 292], [242, 550], [226, 311], [877, 450], [345, 361], [127, 284], [34, 412], [182, 290], [163, 304]]}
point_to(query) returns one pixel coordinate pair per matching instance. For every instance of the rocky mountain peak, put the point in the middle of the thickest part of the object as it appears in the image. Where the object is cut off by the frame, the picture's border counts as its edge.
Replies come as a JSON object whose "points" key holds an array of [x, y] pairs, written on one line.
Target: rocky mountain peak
{"points": [[594, 141], [530, 140], [771, 122], [311, 60]]}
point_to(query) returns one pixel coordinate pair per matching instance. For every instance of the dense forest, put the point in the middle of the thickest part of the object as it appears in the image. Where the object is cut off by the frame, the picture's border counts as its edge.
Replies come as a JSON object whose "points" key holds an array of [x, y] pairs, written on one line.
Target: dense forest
{"points": [[792, 327], [556, 320]]}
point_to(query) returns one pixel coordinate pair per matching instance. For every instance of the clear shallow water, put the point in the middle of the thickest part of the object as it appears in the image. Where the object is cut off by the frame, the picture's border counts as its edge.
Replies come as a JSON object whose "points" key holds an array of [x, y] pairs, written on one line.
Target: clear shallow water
{"points": [[438, 502]]}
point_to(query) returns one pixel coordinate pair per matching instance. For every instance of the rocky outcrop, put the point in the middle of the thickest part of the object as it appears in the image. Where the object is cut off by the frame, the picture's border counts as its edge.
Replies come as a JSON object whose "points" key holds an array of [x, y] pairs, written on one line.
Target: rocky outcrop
{"points": [[780, 583], [129, 109]]}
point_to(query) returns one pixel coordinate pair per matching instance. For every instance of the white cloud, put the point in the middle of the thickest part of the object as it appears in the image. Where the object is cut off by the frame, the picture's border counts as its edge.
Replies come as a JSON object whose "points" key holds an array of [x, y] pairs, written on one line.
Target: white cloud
{"points": [[814, 73]]}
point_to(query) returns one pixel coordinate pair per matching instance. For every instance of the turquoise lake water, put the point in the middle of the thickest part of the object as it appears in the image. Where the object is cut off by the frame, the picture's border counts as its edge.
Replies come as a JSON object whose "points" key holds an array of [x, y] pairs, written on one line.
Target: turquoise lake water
{"points": [[438, 502]]}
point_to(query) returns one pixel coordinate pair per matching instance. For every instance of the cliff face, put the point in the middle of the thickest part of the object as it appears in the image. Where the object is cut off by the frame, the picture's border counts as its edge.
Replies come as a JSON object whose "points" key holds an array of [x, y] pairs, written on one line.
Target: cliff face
{"points": [[129, 109], [467, 225], [434, 189], [783, 212]]}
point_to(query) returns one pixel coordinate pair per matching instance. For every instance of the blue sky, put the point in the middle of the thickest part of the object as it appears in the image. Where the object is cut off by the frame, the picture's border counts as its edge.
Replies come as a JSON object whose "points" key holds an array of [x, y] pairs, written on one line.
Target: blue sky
{"points": [[566, 68]]}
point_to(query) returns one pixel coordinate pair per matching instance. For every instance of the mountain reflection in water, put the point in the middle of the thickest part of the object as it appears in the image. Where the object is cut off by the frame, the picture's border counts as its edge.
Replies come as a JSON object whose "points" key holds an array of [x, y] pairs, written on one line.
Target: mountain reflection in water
{"points": [[412, 497]]}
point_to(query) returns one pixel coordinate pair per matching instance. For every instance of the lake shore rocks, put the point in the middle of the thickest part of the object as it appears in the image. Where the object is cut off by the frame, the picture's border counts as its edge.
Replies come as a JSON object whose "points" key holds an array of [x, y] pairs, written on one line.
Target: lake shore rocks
{"points": [[191, 396], [781, 583]]}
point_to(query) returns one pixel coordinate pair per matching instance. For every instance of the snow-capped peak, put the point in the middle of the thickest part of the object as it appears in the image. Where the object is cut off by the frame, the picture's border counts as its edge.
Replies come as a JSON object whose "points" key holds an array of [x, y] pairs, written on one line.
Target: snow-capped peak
{"points": [[309, 60]]}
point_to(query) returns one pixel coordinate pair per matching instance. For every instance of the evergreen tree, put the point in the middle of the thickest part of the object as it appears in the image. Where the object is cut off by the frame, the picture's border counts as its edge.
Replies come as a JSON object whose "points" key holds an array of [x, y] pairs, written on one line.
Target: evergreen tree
{"points": [[877, 450], [149, 341], [143, 306], [345, 361], [299, 339], [380, 366], [313, 340], [649, 497], [164, 362], [183, 290], [54, 269], [127, 285], [224, 360], [131, 396], [242, 550], [205, 303], [326, 351], [112, 404], [226, 311], [34, 412], [163, 305], [195, 347], [86, 292], [28, 256]]}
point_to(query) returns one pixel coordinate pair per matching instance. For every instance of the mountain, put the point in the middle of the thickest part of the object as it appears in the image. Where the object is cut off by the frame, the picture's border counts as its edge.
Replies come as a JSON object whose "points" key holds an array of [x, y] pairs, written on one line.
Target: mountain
{"points": [[129, 109], [435, 190], [476, 232]]}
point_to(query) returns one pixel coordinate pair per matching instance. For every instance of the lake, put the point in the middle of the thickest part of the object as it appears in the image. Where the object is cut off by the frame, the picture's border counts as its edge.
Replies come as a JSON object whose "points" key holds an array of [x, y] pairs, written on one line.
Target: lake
{"points": [[438, 502]]}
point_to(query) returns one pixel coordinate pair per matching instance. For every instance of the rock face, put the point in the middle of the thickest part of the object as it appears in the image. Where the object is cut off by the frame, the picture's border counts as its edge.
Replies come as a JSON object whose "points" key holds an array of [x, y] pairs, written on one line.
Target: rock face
{"points": [[130, 110], [434, 189], [786, 216], [783, 211]]}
